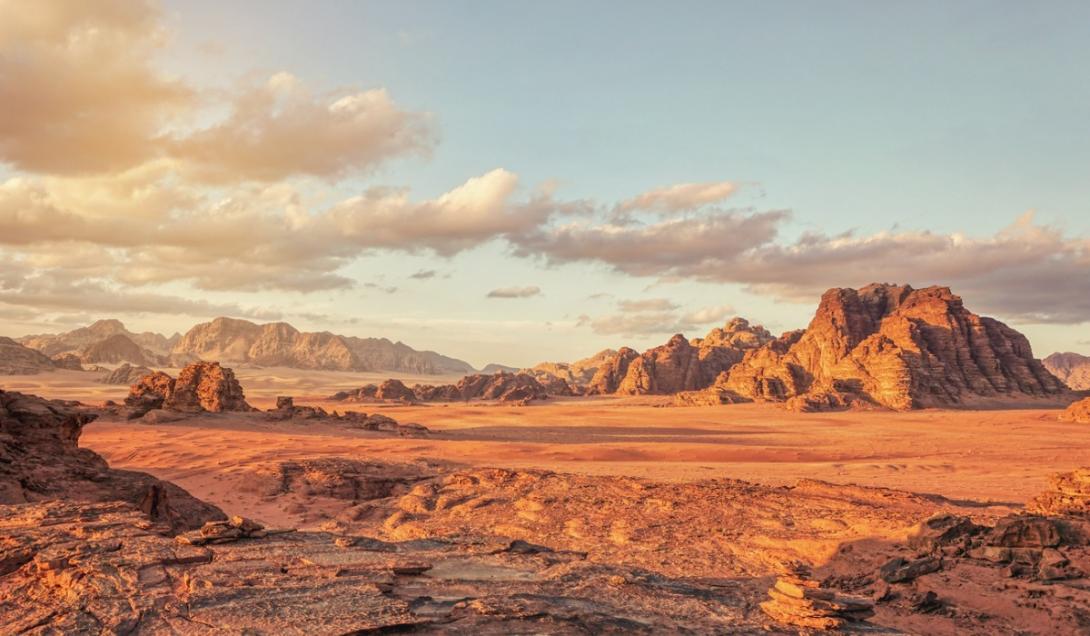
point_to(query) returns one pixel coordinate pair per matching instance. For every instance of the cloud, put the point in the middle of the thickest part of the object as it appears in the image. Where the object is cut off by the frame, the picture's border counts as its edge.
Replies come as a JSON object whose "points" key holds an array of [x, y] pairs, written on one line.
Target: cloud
{"points": [[658, 248], [258, 237], [708, 315], [678, 197], [56, 293], [280, 129], [478, 211], [382, 288], [1025, 272], [649, 304], [81, 95], [423, 274], [653, 316], [514, 292], [78, 90]]}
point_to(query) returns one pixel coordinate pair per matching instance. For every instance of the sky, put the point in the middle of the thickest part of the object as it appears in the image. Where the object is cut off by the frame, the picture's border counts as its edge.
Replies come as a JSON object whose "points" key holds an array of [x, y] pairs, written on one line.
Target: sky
{"points": [[519, 182]]}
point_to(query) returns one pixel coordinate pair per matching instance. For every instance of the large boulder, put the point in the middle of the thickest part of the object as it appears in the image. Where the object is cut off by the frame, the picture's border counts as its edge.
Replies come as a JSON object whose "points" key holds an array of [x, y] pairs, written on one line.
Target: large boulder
{"points": [[201, 386]]}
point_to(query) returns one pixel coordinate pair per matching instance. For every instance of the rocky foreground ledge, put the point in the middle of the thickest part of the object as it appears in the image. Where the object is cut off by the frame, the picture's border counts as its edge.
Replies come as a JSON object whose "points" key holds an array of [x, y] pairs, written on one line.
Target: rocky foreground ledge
{"points": [[433, 549]]}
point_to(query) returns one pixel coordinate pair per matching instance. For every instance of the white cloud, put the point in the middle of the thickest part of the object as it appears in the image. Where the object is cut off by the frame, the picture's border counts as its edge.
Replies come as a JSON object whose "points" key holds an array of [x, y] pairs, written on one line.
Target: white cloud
{"points": [[678, 197]]}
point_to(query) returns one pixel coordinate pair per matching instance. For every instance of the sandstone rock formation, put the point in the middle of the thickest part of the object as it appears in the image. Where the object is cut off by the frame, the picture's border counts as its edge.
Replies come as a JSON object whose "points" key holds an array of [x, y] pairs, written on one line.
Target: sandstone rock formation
{"points": [[130, 579], [118, 348], [894, 346], [201, 386], [797, 599], [1077, 412], [502, 387], [279, 344], [40, 459], [68, 361], [1067, 494], [679, 365], [611, 372], [77, 340], [287, 410], [125, 374], [16, 359], [569, 378], [1072, 368]]}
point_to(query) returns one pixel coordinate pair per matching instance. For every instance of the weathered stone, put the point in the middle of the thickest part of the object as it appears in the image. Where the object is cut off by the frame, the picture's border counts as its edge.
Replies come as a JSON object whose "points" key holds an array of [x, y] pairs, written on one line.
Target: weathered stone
{"points": [[897, 347], [1025, 531], [900, 570]]}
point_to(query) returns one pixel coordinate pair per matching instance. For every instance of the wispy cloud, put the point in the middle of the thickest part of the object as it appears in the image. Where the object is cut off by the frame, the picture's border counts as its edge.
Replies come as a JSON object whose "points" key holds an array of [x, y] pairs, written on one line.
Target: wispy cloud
{"points": [[514, 292]]}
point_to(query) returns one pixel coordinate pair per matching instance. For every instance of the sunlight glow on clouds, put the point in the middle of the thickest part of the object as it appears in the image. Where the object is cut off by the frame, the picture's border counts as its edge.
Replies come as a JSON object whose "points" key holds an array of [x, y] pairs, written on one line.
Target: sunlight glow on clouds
{"points": [[134, 191]]}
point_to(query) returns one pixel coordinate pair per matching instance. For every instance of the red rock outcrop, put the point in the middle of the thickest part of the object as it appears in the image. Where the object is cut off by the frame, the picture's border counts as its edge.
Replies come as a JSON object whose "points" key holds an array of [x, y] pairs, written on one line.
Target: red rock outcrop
{"points": [[681, 365], [201, 386], [502, 387], [1077, 412], [40, 459], [569, 378], [611, 372], [1067, 494], [1071, 368], [894, 346]]}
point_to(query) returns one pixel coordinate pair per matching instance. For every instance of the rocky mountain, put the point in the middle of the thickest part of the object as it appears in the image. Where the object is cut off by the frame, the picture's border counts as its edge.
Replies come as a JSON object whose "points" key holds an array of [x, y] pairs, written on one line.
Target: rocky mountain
{"points": [[16, 359], [679, 365], [893, 346], [279, 344], [77, 340], [495, 367], [120, 348], [1072, 368]]}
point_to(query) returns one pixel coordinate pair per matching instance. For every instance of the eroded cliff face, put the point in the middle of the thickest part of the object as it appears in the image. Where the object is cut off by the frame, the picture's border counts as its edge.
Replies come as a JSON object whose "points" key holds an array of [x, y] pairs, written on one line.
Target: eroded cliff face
{"points": [[893, 346], [40, 460], [681, 365]]}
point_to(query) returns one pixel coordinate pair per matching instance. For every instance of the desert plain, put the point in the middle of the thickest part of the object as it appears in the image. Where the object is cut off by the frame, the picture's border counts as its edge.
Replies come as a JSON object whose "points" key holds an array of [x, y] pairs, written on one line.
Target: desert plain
{"points": [[1000, 455]]}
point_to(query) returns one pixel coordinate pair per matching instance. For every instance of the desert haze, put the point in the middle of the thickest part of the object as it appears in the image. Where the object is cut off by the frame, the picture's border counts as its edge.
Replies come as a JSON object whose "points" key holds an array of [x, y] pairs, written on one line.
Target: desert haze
{"points": [[569, 318]]}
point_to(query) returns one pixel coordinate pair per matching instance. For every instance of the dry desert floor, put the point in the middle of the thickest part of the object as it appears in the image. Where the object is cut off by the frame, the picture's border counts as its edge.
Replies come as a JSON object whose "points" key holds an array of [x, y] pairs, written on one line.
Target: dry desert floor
{"points": [[996, 456]]}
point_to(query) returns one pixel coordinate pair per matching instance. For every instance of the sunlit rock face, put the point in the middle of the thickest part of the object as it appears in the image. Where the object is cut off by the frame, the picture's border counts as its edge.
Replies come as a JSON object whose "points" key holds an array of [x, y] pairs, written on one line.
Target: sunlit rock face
{"points": [[893, 346]]}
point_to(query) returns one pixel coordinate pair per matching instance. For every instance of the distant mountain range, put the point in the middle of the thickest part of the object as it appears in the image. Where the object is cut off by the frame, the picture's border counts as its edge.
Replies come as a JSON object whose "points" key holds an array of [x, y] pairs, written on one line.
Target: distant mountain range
{"points": [[238, 342], [1072, 368]]}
